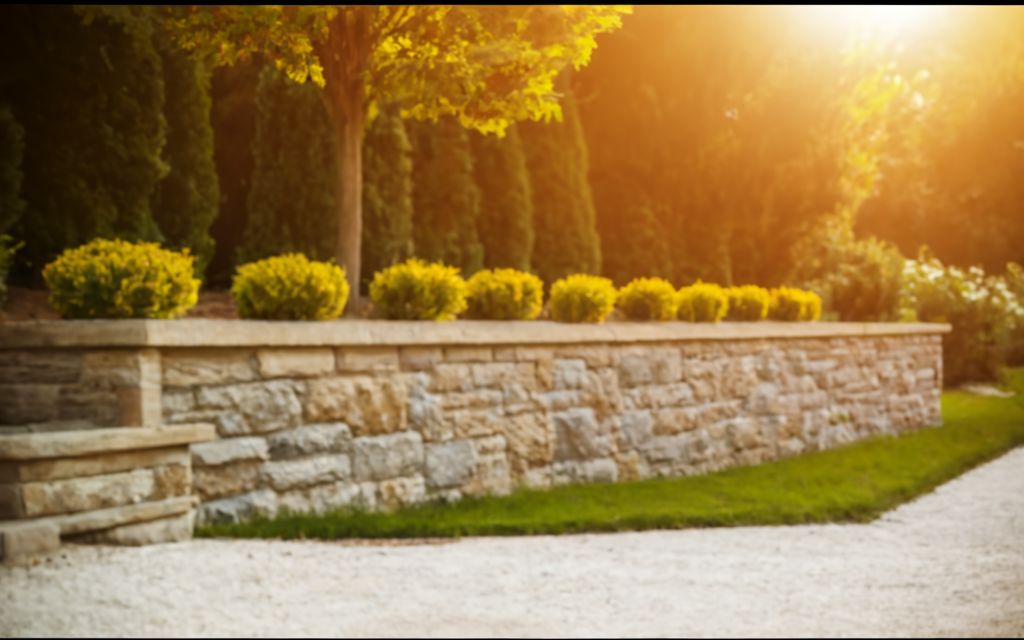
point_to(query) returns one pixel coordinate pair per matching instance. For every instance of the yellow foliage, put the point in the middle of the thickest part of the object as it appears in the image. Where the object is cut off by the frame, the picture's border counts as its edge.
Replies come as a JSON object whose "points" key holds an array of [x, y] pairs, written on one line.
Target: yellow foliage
{"points": [[581, 298], [790, 304], [416, 290], [290, 287], [504, 294], [120, 279], [702, 302], [648, 299], [747, 303]]}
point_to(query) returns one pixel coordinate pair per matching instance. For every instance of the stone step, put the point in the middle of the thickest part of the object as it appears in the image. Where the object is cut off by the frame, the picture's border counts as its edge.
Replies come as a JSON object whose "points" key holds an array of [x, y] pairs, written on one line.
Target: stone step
{"points": [[68, 444]]}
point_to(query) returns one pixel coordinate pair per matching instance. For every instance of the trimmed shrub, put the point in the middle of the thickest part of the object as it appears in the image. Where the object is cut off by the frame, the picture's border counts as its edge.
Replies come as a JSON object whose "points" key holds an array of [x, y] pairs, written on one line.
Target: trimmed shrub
{"points": [[504, 294], [648, 299], [747, 303], [702, 302], [581, 298], [416, 290], [121, 279], [794, 305], [290, 287]]}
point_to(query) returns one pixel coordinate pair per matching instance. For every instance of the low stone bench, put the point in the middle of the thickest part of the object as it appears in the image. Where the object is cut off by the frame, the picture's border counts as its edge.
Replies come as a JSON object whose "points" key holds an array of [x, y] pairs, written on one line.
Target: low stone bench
{"points": [[125, 485]]}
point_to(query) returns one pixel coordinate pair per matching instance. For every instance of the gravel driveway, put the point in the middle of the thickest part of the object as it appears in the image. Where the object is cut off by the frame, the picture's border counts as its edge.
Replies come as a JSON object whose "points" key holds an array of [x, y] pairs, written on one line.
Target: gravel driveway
{"points": [[949, 564]]}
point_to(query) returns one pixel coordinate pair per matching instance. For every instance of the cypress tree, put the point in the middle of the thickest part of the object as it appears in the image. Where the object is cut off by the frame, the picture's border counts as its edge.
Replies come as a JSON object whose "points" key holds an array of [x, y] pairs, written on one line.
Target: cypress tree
{"points": [[505, 225], [387, 194], [291, 197], [90, 99], [185, 203], [563, 207], [12, 147], [446, 200]]}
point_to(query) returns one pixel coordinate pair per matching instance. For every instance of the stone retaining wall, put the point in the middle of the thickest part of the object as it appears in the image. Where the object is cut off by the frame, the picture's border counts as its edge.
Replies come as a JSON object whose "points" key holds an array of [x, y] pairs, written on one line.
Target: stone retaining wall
{"points": [[313, 416]]}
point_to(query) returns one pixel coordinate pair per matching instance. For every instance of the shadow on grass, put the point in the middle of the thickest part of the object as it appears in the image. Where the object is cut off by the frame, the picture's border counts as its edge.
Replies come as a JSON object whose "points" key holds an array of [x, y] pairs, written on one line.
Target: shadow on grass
{"points": [[854, 483]]}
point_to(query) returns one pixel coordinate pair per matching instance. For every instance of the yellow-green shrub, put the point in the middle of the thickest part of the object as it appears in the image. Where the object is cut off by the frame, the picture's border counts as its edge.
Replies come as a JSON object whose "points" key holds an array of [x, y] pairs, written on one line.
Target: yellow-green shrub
{"points": [[746, 303], [120, 279], [792, 305], [504, 294], [290, 287], [702, 302], [416, 290], [581, 298], [648, 299]]}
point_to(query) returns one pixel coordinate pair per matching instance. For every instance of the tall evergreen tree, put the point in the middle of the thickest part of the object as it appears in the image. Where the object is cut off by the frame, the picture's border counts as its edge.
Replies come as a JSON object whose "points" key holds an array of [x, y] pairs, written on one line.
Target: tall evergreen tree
{"points": [[291, 204], [505, 225], [563, 207], [90, 99], [185, 202], [233, 118], [387, 194], [446, 199], [12, 148]]}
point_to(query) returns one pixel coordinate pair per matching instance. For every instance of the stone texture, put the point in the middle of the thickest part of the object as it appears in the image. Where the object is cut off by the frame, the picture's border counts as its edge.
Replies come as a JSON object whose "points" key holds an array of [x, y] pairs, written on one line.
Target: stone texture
{"points": [[227, 479], [449, 464], [367, 359], [370, 406], [76, 467], [400, 492], [578, 436], [260, 406], [173, 529], [333, 437], [295, 363], [325, 497], [390, 456], [238, 508], [229, 450], [22, 541], [282, 475], [188, 367], [86, 494]]}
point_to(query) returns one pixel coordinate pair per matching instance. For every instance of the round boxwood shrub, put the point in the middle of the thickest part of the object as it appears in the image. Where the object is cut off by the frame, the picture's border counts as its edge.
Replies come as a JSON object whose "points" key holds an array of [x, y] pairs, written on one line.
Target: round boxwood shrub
{"points": [[648, 299], [121, 279], [702, 302], [504, 294], [290, 287], [581, 298], [416, 290], [747, 303], [793, 305]]}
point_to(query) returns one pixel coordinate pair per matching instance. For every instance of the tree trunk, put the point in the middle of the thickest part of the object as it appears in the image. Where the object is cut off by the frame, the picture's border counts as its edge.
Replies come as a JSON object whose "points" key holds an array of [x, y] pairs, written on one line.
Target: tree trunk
{"points": [[349, 190]]}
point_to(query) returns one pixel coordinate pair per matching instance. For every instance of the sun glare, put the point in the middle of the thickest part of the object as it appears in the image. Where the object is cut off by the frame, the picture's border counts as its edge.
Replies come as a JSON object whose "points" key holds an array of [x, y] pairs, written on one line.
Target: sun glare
{"points": [[885, 20]]}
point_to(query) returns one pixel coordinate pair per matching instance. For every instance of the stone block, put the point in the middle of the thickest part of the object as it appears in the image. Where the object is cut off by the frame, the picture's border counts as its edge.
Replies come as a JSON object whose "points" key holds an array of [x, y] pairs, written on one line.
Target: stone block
{"points": [[586, 471], [370, 406], [172, 529], [530, 441], [21, 541], [189, 367], [449, 464], [452, 377], [333, 437], [389, 456], [227, 450], [227, 479], [322, 498], [367, 359], [92, 465], [637, 427], [579, 436], [401, 492], [263, 406], [569, 374], [295, 362], [427, 417], [262, 502], [475, 423], [419, 358], [85, 494], [23, 403], [58, 366], [290, 474], [468, 354]]}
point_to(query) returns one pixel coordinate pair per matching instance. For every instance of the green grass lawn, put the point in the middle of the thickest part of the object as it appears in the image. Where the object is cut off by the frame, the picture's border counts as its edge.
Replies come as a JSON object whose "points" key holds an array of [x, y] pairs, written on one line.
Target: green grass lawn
{"points": [[855, 483]]}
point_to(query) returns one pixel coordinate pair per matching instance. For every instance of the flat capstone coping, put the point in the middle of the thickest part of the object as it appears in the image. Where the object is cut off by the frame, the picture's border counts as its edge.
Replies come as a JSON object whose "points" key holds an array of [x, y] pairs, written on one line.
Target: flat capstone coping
{"points": [[374, 333], [70, 444]]}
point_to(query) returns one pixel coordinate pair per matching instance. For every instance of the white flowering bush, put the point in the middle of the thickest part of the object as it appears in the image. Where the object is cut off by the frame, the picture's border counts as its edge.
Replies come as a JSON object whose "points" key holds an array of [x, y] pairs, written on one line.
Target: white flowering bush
{"points": [[983, 309]]}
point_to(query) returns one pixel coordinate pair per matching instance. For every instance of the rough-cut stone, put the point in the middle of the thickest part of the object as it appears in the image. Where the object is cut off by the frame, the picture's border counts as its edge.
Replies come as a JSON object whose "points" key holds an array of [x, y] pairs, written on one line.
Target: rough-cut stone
{"points": [[530, 440], [449, 464], [24, 403], [290, 474], [229, 450], [468, 354], [86, 494], [419, 358], [370, 406], [173, 529], [574, 472], [637, 427], [390, 456], [295, 363], [427, 417], [263, 406], [400, 492], [21, 541], [367, 359], [239, 508], [569, 374], [93, 465], [578, 436], [227, 480], [324, 497], [333, 437], [40, 365], [188, 367]]}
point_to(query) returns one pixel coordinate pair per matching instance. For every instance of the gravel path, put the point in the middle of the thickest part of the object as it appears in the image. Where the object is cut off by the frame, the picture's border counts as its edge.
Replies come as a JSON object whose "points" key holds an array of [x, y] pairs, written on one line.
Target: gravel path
{"points": [[949, 564]]}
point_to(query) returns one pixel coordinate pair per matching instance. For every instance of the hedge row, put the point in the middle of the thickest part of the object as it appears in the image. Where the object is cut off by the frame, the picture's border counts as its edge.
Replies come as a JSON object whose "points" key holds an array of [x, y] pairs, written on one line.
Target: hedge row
{"points": [[120, 279]]}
